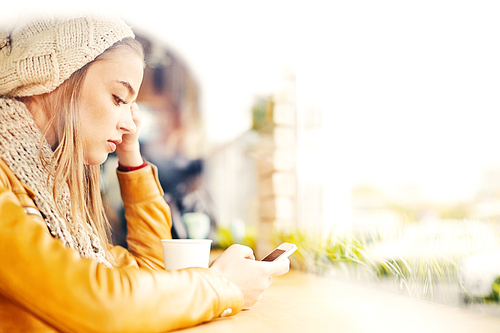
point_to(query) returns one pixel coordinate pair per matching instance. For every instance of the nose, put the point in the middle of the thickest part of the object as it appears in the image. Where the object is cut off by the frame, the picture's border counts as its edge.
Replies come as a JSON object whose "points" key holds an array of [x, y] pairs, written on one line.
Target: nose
{"points": [[127, 124]]}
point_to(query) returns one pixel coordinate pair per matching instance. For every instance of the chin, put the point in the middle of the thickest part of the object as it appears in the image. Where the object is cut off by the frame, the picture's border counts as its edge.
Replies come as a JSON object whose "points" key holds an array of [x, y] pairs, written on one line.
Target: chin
{"points": [[96, 160]]}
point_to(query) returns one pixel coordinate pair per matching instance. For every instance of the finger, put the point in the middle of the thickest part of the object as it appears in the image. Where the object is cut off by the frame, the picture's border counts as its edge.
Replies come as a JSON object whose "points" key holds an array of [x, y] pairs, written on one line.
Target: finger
{"points": [[250, 256], [245, 251], [279, 267], [136, 114], [269, 281], [135, 107]]}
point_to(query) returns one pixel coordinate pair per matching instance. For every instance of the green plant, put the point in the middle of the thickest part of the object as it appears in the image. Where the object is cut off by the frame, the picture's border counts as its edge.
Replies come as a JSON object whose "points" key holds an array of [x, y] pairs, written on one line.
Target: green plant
{"points": [[416, 257], [322, 254], [225, 238]]}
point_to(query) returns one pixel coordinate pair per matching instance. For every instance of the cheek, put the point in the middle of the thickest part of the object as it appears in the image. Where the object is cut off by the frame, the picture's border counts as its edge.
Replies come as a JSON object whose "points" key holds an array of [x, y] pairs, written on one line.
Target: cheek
{"points": [[102, 123], [96, 114]]}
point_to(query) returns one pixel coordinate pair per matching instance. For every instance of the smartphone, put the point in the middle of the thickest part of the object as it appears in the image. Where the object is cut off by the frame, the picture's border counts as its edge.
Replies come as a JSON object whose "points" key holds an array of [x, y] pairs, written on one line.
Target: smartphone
{"points": [[281, 252]]}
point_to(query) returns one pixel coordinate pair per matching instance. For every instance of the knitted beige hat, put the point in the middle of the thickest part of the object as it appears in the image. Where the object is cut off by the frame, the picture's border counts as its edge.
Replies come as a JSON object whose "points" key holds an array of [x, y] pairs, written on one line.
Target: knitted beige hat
{"points": [[37, 57]]}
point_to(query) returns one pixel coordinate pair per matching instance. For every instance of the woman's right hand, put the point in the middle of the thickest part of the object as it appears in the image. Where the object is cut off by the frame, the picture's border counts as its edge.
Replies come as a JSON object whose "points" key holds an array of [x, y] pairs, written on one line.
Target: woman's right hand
{"points": [[239, 266], [128, 151]]}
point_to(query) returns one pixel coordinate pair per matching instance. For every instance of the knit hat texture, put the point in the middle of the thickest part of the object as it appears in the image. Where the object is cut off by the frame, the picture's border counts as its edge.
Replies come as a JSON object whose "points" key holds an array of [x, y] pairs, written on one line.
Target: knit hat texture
{"points": [[37, 57]]}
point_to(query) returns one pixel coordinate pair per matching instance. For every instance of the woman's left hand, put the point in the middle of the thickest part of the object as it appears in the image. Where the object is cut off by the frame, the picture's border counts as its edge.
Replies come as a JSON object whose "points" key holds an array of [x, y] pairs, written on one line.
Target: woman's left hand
{"points": [[128, 151]]}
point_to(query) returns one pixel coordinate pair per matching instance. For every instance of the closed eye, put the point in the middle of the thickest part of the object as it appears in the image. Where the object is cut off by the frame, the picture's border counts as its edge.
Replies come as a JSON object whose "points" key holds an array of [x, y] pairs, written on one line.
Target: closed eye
{"points": [[118, 100]]}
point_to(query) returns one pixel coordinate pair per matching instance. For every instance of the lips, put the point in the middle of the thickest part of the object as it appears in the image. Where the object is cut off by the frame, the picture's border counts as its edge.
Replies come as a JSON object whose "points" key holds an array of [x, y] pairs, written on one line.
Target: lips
{"points": [[113, 143]]}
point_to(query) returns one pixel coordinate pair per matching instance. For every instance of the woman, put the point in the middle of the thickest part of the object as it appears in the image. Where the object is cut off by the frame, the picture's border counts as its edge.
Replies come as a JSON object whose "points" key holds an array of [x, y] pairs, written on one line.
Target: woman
{"points": [[68, 89]]}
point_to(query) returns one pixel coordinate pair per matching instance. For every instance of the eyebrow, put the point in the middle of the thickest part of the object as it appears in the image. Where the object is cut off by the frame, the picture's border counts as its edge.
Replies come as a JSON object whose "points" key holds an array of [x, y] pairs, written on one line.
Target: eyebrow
{"points": [[128, 86]]}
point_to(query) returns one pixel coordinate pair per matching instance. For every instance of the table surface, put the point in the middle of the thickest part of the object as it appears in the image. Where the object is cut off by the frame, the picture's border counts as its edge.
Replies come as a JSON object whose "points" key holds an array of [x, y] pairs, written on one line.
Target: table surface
{"points": [[302, 302]]}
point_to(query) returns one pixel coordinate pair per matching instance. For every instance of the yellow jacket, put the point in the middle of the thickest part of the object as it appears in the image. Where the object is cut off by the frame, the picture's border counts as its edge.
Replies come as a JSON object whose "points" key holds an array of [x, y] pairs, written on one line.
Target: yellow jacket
{"points": [[47, 287]]}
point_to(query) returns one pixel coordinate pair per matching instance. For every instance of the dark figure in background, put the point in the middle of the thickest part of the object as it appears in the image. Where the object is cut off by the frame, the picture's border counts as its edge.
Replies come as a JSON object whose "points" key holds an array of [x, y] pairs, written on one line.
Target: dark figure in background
{"points": [[182, 181], [185, 192]]}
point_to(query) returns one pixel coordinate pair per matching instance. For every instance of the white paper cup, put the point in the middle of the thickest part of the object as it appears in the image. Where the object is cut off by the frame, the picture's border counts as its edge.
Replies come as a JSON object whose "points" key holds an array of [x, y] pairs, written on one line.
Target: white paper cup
{"points": [[184, 253]]}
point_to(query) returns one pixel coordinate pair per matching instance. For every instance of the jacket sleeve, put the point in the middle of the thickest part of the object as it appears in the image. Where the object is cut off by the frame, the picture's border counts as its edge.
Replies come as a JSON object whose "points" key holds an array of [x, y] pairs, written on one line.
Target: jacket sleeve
{"points": [[75, 294], [148, 217]]}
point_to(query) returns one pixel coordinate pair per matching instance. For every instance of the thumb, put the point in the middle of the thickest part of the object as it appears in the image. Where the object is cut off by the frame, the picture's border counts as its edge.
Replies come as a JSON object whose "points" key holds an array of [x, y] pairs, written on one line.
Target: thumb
{"points": [[242, 250], [279, 267]]}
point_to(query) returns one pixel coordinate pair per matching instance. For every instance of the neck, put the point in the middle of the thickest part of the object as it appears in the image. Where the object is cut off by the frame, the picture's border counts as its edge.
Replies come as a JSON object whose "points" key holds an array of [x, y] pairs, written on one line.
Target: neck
{"points": [[37, 107]]}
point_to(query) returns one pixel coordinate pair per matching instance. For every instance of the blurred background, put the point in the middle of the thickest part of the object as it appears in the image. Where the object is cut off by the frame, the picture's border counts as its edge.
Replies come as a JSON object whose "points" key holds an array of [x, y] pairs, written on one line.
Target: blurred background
{"points": [[364, 131]]}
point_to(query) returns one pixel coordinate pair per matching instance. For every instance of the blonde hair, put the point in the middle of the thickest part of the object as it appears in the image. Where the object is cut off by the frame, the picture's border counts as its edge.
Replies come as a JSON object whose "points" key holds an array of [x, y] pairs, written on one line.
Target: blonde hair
{"points": [[68, 164]]}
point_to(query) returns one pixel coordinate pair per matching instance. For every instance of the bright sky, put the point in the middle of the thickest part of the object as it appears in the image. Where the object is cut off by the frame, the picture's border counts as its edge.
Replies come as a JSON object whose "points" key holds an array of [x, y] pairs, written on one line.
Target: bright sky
{"points": [[409, 90]]}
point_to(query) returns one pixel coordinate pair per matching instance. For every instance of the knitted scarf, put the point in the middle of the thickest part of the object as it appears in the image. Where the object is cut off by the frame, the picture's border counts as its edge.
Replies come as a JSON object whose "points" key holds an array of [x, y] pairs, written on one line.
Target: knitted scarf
{"points": [[20, 150]]}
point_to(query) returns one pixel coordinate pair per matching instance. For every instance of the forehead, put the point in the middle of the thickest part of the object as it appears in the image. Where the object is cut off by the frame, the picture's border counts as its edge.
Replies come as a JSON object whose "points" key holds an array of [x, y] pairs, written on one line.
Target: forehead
{"points": [[118, 65], [122, 48]]}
